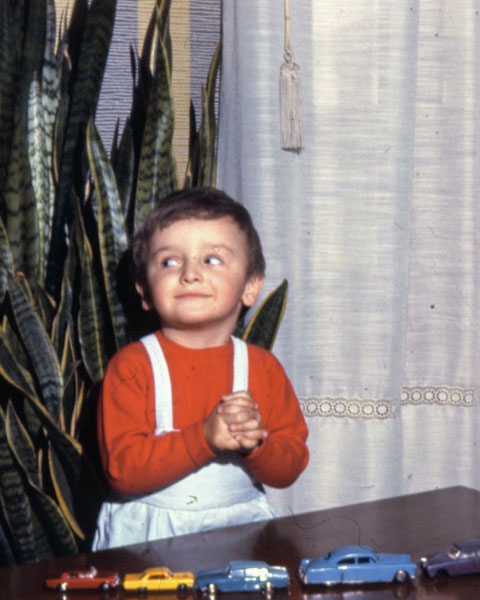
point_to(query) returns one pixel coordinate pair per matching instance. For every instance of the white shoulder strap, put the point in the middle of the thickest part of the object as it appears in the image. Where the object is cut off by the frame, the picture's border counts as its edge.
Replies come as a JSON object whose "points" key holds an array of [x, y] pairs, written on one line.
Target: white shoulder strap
{"points": [[240, 365], [162, 384]]}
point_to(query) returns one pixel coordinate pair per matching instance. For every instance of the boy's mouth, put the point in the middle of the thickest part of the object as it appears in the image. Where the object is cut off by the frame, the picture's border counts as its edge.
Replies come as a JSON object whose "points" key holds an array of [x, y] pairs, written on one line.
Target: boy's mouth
{"points": [[187, 295]]}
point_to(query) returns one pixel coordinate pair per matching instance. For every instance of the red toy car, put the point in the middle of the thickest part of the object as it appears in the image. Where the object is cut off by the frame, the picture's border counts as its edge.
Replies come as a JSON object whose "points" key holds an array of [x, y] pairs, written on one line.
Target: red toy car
{"points": [[90, 579]]}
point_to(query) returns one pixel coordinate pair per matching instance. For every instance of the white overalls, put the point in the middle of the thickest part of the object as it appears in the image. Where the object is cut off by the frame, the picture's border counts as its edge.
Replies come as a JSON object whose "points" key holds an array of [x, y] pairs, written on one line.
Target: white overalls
{"points": [[219, 494]]}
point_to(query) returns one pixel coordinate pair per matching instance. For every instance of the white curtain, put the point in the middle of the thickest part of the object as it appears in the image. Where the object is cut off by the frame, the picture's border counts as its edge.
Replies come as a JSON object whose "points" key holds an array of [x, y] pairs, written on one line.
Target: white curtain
{"points": [[374, 224]]}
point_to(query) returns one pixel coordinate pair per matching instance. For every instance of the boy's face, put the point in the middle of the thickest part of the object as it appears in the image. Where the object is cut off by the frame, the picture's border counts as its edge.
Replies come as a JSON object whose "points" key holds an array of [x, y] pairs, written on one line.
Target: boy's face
{"points": [[197, 277]]}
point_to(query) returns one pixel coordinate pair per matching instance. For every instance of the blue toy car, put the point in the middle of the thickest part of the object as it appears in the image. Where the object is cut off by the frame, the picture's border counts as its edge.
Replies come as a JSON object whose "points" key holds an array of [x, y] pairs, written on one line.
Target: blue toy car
{"points": [[356, 564], [242, 576]]}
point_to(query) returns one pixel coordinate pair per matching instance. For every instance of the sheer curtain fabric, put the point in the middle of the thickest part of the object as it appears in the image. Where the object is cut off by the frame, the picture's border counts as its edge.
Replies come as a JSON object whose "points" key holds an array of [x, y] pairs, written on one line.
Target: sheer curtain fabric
{"points": [[374, 224]]}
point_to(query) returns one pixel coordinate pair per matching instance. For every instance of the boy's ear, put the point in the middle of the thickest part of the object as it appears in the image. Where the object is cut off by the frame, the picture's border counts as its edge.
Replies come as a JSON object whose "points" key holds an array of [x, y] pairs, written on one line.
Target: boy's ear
{"points": [[145, 305], [252, 290]]}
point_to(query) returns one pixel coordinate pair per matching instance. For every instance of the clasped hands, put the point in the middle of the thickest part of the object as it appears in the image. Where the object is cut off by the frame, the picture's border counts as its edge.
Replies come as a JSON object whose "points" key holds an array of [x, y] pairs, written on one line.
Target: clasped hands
{"points": [[235, 424]]}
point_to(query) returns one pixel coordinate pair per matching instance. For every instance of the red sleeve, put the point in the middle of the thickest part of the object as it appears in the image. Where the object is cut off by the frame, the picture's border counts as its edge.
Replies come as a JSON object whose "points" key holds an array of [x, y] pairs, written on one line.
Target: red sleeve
{"points": [[283, 455], [134, 459]]}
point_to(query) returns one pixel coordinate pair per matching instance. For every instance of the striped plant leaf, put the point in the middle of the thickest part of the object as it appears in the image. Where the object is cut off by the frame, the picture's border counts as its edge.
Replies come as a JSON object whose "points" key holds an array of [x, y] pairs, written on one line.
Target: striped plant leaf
{"points": [[48, 518], [6, 261], [76, 412], [63, 491], [52, 522], [12, 371], [33, 424], [35, 23], [89, 69], [42, 108], [21, 221], [60, 128], [30, 541], [63, 315], [9, 25], [63, 336], [91, 322], [156, 172], [263, 326], [123, 163], [21, 445], [111, 229], [208, 129], [39, 347], [44, 307]]}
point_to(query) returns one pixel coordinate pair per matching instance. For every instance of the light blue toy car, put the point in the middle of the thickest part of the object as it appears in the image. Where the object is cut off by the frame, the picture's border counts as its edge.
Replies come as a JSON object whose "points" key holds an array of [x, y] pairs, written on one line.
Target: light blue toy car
{"points": [[242, 576], [356, 564]]}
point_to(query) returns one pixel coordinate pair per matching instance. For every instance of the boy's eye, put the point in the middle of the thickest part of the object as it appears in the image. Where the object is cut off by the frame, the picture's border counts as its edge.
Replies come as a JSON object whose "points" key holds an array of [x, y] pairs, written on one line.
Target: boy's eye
{"points": [[170, 262], [213, 260]]}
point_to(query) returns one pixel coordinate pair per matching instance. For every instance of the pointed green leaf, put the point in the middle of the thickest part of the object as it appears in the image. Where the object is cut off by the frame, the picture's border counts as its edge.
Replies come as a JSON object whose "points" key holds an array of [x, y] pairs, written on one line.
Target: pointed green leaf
{"points": [[91, 328], [21, 445], [63, 491], [123, 163], [63, 315], [21, 219], [43, 103], [263, 326], [111, 228], [208, 128], [6, 261], [156, 173], [16, 508], [39, 348], [9, 27], [12, 371]]}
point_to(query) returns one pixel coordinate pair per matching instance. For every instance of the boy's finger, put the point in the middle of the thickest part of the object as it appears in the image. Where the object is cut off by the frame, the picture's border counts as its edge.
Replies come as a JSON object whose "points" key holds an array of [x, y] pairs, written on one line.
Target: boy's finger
{"points": [[252, 440], [232, 406], [245, 426], [244, 396]]}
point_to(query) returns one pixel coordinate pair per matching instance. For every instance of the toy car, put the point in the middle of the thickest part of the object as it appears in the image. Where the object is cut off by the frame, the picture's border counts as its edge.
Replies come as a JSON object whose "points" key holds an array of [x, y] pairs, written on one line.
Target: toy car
{"points": [[356, 564], [462, 558], [243, 576], [158, 579], [82, 580]]}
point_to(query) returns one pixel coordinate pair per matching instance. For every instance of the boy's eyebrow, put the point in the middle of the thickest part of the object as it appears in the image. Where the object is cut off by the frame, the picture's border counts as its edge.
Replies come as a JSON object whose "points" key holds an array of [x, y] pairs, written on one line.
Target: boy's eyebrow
{"points": [[220, 247], [162, 249], [212, 247]]}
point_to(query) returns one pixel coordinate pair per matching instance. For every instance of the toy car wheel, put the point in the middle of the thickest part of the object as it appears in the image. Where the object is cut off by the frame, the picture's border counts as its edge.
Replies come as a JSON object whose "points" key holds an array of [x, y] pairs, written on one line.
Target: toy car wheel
{"points": [[142, 590], [268, 588], [62, 587], [182, 589], [441, 574], [401, 577], [104, 586], [211, 589]]}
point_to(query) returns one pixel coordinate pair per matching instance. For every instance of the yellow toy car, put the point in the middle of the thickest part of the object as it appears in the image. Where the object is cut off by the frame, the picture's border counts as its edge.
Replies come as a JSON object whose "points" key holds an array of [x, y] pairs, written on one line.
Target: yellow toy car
{"points": [[158, 579]]}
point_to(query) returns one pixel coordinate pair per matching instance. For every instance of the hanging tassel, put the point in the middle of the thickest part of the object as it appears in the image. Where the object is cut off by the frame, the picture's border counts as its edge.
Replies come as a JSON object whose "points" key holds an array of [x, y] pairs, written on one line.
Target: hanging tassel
{"points": [[290, 129]]}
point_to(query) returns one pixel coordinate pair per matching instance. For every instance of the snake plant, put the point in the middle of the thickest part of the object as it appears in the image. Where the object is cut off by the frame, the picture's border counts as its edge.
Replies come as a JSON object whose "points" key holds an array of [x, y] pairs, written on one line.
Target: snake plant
{"points": [[68, 210]]}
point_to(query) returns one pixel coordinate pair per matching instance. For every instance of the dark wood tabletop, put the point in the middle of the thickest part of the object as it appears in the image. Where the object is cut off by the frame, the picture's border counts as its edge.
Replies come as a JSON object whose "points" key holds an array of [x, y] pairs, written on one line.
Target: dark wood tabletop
{"points": [[416, 524]]}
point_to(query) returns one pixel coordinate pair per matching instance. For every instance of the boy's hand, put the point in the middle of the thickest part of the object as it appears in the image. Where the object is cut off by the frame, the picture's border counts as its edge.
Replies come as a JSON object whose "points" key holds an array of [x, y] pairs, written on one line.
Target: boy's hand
{"points": [[234, 424], [240, 413]]}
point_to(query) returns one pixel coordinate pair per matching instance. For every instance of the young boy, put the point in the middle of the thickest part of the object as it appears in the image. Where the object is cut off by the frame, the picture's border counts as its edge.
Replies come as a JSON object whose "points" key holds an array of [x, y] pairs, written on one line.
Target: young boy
{"points": [[193, 421]]}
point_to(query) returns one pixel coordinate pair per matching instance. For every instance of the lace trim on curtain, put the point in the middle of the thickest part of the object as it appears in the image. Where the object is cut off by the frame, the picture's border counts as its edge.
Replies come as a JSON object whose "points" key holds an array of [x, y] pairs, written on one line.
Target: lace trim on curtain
{"points": [[365, 408]]}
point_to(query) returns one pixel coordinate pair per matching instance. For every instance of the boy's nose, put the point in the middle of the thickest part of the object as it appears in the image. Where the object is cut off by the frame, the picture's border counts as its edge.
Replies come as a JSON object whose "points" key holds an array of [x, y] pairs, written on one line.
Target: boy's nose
{"points": [[191, 271]]}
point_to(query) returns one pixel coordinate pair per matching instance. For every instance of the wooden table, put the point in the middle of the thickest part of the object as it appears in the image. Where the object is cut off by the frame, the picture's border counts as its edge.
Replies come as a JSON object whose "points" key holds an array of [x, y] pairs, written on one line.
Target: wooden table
{"points": [[417, 524]]}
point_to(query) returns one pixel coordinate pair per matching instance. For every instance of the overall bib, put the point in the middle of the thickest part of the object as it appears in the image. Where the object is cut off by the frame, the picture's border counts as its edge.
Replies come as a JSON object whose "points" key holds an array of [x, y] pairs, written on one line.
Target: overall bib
{"points": [[219, 494]]}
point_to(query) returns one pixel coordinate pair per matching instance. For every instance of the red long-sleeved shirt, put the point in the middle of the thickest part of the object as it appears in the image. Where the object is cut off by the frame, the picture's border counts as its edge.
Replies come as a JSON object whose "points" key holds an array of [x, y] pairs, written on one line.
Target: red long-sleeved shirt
{"points": [[136, 461]]}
